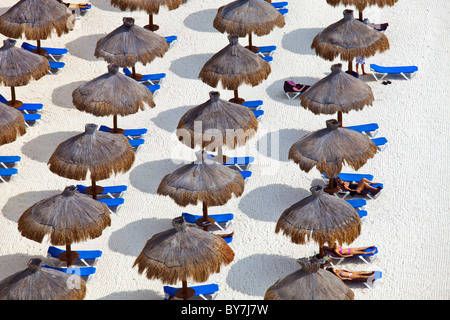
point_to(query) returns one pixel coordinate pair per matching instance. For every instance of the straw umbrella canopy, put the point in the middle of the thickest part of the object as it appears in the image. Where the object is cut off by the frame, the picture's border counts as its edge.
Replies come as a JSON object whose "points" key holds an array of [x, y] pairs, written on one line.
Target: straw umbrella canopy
{"points": [[203, 180], [362, 4], [244, 17], [150, 6], [349, 38], [12, 124], [67, 218], [233, 66], [18, 67], [37, 283], [338, 92], [309, 283], [102, 154], [129, 44], [37, 20], [330, 148], [215, 123], [322, 217], [182, 253], [112, 93]]}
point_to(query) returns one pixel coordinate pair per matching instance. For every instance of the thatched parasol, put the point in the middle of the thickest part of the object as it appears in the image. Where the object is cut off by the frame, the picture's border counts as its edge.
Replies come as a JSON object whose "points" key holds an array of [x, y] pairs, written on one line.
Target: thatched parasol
{"points": [[322, 217], [181, 253], [233, 66], [112, 93], [129, 44], [349, 38], [66, 218], [362, 4], [100, 153], [18, 67], [309, 283], [329, 148], [244, 17], [150, 6], [12, 124], [338, 92], [37, 283], [217, 119], [203, 180], [36, 19]]}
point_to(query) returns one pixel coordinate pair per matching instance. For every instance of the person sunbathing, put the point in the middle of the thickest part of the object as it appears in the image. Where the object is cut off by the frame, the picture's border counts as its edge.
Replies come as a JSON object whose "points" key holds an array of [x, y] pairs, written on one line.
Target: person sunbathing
{"points": [[351, 275], [300, 87], [362, 187], [350, 252], [76, 5]]}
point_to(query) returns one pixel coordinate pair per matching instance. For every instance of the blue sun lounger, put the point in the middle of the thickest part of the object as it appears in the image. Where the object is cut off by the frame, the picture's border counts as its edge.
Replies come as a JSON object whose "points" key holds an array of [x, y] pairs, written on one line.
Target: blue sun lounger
{"points": [[269, 59], [55, 66], [171, 40], [253, 104], [266, 51], [31, 118], [129, 133], [203, 291], [111, 191], [26, 107], [84, 255], [84, 272], [411, 70], [6, 174], [9, 161], [54, 53], [381, 143], [136, 144], [241, 163], [280, 5], [246, 174], [350, 177], [153, 88], [367, 258], [371, 129], [153, 78], [258, 113], [362, 214], [85, 9], [113, 204], [222, 221], [283, 11]]}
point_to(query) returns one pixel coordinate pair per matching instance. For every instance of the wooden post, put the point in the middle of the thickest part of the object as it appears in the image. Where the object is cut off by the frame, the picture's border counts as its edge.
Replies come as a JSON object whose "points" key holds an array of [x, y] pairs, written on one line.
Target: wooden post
{"points": [[205, 216]]}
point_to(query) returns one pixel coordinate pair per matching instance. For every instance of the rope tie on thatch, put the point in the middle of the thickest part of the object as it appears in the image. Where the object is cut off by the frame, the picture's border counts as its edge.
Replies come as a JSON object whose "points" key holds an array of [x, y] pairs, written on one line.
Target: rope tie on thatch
{"points": [[128, 22], [336, 68], [34, 264], [179, 224], [69, 191], [333, 124], [113, 68], [214, 96], [9, 43], [316, 191], [234, 40]]}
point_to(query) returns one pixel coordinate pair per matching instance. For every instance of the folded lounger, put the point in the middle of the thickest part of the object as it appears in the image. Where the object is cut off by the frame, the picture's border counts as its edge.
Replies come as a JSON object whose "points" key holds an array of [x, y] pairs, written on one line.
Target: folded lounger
{"points": [[381, 143], [31, 118], [129, 133], [85, 255], [357, 203], [9, 161], [113, 204], [54, 53], [288, 89], [111, 191], [203, 291], [280, 5], [154, 78], [55, 66], [84, 272], [6, 174], [26, 107], [367, 258], [371, 129], [171, 40], [222, 221], [253, 104], [411, 70], [266, 51]]}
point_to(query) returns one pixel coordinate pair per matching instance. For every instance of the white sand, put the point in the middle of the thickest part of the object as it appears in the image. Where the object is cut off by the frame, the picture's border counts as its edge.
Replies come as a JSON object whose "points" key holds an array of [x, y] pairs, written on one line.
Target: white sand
{"points": [[408, 223]]}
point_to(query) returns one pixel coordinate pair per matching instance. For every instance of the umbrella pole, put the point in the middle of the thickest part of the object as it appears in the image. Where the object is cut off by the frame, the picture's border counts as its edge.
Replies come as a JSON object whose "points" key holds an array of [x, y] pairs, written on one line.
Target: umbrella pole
{"points": [[250, 45], [93, 190], [361, 16], [134, 75], [151, 26], [115, 129], [331, 189], [205, 221], [68, 255], [340, 117], [236, 98], [184, 292], [38, 49], [350, 66], [13, 102]]}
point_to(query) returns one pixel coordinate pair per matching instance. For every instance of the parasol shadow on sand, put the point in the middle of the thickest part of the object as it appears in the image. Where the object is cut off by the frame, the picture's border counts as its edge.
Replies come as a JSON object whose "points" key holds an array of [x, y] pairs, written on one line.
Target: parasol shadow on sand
{"points": [[102, 154], [18, 67], [52, 284], [309, 283], [201, 20], [129, 44], [183, 253], [12, 124], [291, 40], [362, 4], [36, 20], [339, 92], [321, 217], [112, 93], [189, 66], [66, 218], [233, 66], [245, 17]]}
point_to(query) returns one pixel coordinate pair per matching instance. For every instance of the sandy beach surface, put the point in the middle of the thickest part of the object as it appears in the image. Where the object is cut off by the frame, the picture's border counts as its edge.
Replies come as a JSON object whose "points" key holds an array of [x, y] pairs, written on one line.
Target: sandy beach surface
{"points": [[408, 222]]}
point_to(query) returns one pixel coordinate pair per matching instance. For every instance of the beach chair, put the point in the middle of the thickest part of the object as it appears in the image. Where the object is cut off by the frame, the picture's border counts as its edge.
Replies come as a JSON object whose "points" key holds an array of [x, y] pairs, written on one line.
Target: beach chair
{"points": [[246, 174], [381, 143], [280, 5], [9, 161], [367, 258], [108, 191], [171, 40], [369, 282], [358, 204], [350, 177], [283, 11], [253, 104], [84, 272], [240, 163], [55, 54], [258, 113], [204, 291], [136, 144], [153, 88], [379, 26], [129, 133], [288, 89], [222, 221], [384, 71], [344, 193], [154, 78], [114, 204], [85, 8], [26, 107], [55, 66], [362, 214], [31, 119], [266, 51], [6, 174], [371, 129], [88, 257], [269, 59]]}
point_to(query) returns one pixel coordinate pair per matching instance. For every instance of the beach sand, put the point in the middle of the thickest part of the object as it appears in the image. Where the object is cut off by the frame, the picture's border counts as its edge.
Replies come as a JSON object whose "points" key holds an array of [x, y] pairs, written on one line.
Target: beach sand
{"points": [[408, 222]]}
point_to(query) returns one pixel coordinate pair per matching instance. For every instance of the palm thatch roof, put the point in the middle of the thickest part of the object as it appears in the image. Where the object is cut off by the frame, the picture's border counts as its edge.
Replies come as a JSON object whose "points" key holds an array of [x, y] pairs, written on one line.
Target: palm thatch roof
{"points": [[66, 218], [217, 119], [203, 180], [100, 153], [233, 66], [37, 283], [18, 66], [150, 6], [129, 44], [36, 19], [337, 92], [112, 93], [330, 148], [309, 283], [243, 17], [12, 124], [183, 253], [349, 38], [321, 217], [362, 4]]}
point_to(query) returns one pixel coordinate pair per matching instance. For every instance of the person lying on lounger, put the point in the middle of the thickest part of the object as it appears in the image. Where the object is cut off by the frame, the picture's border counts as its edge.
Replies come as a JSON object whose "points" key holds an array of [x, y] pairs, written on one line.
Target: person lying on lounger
{"points": [[76, 5], [351, 275], [362, 187], [350, 252], [300, 87]]}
